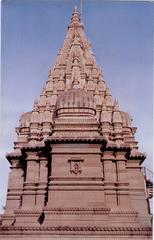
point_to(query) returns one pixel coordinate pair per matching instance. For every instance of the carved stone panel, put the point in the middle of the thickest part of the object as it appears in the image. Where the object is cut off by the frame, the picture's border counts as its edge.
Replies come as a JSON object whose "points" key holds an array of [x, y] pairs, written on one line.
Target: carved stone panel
{"points": [[75, 165]]}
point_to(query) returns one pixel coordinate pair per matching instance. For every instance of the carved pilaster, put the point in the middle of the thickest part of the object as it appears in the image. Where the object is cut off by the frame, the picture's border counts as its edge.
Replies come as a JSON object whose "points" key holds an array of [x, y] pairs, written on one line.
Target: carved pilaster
{"points": [[15, 188], [29, 215], [110, 177], [16, 182], [122, 181], [46, 121], [121, 166], [105, 121], [42, 183], [117, 123], [109, 166], [32, 175]]}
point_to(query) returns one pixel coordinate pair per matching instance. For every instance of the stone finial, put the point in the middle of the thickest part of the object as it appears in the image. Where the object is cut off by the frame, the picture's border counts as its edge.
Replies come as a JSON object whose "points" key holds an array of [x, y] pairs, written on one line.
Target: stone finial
{"points": [[101, 72], [117, 117], [108, 97], [105, 115], [43, 91], [108, 92], [75, 17], [116, 105], [116, 113], [35, 104], [126, 119]]}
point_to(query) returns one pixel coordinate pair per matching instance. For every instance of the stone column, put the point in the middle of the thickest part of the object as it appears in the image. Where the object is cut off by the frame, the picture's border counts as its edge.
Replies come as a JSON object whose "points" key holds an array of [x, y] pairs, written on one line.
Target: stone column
{"points": [[42, 183], [29, 215], [110, 178], [15, 188], [32, 175]]}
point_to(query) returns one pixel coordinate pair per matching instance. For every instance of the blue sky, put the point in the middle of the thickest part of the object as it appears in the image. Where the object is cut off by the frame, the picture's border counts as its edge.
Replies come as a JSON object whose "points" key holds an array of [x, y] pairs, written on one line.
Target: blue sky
{"points": [[32, 33]]}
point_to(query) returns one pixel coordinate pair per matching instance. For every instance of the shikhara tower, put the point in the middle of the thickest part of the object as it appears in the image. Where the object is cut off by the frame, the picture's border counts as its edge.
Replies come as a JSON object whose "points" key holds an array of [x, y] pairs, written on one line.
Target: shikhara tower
{"points": [[76, 168]]}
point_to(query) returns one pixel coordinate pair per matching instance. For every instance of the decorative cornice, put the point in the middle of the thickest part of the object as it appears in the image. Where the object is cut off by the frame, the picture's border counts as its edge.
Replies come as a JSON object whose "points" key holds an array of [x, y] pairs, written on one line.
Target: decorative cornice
{"points": [[115, 147], [78, 211], [27, 213], [35, 147], [76, 140], [76, 230], [137, 155], [16, 154]]}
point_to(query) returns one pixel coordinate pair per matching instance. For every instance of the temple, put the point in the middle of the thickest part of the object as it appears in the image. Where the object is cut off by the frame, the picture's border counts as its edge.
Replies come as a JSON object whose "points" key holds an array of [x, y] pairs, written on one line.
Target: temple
{"points": [[76, 168]]}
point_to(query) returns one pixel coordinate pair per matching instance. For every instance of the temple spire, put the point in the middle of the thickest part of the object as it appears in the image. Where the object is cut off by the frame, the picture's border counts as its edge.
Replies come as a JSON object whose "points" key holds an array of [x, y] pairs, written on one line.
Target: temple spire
{"points": [[75, 20]]}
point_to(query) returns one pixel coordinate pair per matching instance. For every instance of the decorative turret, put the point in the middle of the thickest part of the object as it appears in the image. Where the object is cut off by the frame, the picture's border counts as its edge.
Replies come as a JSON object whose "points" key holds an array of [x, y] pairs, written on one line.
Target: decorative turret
{"points": [[42, 100], [108, 99], [105, 121], [116, 113], [117, 123], [34, 124], [47, 121]]}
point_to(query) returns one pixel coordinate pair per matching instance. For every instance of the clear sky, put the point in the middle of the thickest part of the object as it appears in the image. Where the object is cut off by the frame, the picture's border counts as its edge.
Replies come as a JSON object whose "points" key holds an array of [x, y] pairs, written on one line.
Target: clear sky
{"points": [[32, 33]]}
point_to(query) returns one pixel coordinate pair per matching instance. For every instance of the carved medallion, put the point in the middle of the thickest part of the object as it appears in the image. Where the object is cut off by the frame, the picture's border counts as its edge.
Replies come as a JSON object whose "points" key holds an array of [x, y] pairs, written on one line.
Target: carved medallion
{"points": [[75, 165]]}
